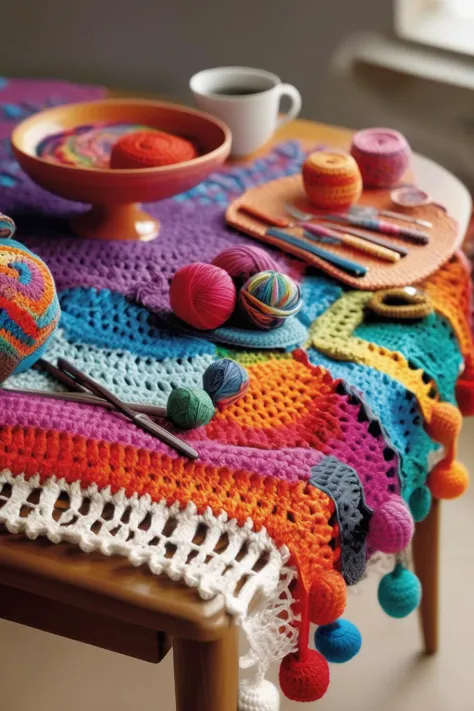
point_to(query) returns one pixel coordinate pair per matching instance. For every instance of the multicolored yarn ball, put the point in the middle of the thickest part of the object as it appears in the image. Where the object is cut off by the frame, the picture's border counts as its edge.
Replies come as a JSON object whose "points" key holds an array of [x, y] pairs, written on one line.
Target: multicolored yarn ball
{"points": [[391, 527], [304, 679], [150, 149], [339, 641], [244, 261], [7, 227], [327, 597], [269, 298], [203, 295], [332, 180], [190, 407], [383, 156], [29, 307], [399, 592], [420, 503], [225, 381]]}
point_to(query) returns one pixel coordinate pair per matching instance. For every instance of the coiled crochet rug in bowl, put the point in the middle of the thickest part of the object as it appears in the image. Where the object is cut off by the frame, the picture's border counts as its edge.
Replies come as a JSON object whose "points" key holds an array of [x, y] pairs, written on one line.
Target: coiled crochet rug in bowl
{"points": [[298, 483]]}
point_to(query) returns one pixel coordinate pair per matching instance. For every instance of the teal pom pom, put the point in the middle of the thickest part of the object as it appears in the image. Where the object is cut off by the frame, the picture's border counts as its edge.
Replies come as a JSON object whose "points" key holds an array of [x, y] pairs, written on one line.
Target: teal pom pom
{"points": [[399, 592], [339, 641], [190, 407], [420, 503], [225, 381]]}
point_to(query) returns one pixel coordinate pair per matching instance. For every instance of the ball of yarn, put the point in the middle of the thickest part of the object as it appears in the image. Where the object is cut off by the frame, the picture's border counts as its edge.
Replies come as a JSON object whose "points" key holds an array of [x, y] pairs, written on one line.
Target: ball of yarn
{"points": [[382, 155], [304, 679], [448, 480], [29, 307], [391, 527], [150, 149], [339, 641], [327, 597], [7, 227], [225, 381], [258, 695], [202, 295], [420, 503], [190, 407], [332, 180], [244, 261], [269, 298], [399, 592]]}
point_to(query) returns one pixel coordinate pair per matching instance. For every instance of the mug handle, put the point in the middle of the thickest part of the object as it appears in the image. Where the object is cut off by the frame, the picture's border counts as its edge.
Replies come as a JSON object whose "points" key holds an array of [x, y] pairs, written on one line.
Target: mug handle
{"points": [[295, 108]]}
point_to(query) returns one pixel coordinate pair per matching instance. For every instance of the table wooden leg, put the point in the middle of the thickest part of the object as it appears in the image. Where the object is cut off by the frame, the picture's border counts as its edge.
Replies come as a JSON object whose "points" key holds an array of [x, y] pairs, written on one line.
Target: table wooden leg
{"points": [[206, 673], [426, 560]]}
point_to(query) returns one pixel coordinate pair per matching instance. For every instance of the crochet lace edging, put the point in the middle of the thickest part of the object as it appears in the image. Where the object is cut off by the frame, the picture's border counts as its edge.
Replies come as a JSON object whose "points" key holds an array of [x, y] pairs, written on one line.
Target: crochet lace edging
{"points": [[210, 553]]}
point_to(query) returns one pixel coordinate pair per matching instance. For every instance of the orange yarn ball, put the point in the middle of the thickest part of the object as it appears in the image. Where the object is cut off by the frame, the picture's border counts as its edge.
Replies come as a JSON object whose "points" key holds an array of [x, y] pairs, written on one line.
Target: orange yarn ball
{"points": [[304, 679], [150, 149], [445, 423], [202, 295], [327, 598], [448, 480], [332, 180]]}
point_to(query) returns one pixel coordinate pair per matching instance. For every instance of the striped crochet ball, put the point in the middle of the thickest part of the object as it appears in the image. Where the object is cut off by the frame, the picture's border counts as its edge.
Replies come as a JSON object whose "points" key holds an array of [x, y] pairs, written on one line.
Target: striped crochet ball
{"points": [[29, 307]]}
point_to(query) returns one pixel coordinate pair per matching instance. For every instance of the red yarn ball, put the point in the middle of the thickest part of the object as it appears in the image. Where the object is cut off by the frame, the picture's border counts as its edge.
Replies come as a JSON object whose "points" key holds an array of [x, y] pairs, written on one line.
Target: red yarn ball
{"points": [[327, 597], [150, 149], [244, 261], [391, 527], [304, 680], [202, 295]]}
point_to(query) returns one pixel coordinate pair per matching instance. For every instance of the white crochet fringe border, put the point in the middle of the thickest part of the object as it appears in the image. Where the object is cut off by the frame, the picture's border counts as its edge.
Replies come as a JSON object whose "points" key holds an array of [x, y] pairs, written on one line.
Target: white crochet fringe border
{"points": [[248, 569]]}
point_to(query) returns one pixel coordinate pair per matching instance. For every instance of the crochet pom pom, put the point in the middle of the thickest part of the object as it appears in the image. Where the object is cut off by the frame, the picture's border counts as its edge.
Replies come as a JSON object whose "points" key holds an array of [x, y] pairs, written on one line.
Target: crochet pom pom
{"points": [[445, 423], [465, 393], [448, 480], [339, 641], [391, 527], [304, 679], [258, 695], [399, 592], [327, 598], [420, 503]]}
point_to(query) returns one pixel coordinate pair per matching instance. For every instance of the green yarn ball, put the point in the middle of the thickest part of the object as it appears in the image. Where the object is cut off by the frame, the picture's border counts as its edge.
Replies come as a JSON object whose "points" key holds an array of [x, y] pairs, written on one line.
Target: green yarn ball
{"points": [[399, 592], [190, 407], [420, 503]]}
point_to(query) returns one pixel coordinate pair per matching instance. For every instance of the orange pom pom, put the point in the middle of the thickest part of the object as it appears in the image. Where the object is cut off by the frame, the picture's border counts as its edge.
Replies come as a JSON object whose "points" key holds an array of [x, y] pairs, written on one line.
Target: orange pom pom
{"points": [[445, 423], [150, 149], [304, 679], [448, 480], [327, 598]]}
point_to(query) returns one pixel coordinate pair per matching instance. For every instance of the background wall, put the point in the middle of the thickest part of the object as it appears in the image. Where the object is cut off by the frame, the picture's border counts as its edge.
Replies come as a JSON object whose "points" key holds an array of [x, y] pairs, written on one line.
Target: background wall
{"points": [[156, 45]]}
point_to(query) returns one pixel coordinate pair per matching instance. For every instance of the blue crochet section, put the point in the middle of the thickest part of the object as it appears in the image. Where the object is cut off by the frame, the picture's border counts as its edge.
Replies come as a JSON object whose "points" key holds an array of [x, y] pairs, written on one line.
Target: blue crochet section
{"points": [[318, 293], [396, 407], [108, 320]]}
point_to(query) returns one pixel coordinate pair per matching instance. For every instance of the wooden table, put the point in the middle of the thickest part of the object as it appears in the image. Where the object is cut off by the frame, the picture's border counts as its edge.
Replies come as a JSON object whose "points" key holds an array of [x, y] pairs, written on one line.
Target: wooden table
{"points": [[108, 603]]}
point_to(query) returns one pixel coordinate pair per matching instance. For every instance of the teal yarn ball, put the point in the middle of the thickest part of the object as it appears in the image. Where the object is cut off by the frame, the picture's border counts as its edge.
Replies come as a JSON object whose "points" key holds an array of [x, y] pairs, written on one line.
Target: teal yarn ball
{"points": [[339, 641], [190, 407], [399, 592], [269, 298], [420, 503], [225, 381]]}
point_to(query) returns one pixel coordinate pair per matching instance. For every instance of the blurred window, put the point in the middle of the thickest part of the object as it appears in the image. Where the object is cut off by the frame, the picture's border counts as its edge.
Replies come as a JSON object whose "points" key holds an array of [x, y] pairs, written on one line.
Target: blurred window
{"points": [[448, 24]]}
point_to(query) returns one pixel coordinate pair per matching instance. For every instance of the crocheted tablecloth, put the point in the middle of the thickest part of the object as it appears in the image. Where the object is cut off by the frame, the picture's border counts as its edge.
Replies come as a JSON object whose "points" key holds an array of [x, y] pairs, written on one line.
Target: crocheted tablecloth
{"points": [[329, 439]]}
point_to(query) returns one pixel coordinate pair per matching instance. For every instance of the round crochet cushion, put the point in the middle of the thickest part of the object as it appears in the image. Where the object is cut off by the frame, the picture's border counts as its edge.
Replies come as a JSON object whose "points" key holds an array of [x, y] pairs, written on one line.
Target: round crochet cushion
{"points": [[399, 592], [391, 527], [258, 695], [339, 641], [150, 149], [305, 679], [327, 598]]}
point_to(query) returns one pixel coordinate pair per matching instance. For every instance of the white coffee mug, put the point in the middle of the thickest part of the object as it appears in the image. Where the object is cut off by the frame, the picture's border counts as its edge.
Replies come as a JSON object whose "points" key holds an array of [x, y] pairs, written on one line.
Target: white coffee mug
{"points": [[247, 100]]}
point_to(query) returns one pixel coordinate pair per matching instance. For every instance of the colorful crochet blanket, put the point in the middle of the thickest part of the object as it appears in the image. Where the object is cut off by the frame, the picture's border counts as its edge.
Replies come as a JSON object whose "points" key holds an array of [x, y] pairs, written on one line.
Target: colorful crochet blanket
{"points": [[297, 484]]}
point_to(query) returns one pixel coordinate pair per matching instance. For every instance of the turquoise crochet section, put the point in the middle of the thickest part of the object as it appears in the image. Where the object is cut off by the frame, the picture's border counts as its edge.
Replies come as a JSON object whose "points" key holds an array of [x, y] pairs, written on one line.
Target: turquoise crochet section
{"points": [[318, 293]]}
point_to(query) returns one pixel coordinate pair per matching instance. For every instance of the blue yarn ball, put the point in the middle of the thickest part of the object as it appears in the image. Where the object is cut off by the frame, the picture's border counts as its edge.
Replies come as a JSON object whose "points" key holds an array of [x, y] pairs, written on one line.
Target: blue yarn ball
{"points": [[420, 503], [225, 381], [399, 592], [339, 641]]}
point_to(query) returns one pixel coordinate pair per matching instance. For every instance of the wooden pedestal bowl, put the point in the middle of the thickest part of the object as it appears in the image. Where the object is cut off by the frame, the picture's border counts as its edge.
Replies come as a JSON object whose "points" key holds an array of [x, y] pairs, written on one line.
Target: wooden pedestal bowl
{"points": [[114, 194]]}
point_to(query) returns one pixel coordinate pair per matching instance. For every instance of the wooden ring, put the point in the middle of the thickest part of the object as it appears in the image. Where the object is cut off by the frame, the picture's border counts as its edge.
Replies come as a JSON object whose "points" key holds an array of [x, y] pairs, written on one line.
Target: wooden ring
{"points": [[403, 304]]}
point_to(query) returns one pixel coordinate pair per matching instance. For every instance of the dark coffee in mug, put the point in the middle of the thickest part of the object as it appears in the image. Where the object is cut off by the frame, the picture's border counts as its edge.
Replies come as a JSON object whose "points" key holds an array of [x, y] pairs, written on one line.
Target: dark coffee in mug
{"points": [[237, 91]]}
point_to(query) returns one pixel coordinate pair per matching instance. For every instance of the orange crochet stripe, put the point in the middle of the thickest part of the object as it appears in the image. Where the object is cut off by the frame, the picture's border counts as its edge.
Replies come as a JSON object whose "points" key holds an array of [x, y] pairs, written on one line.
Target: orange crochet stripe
{"points": [[296, 515], [36, 307]]}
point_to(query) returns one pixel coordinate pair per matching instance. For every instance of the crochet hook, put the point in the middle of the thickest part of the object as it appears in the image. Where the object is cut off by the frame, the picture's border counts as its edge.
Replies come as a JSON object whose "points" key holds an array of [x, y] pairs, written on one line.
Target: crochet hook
{"points": [[313, 230], [139, 419], [369, 211], [382, 226]]}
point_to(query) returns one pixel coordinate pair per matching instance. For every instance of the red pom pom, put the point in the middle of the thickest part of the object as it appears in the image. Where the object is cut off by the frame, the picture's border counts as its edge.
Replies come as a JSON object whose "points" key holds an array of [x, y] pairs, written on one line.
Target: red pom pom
{"points": [[150, 149], [202, 295], [327, 598], [304, 680]]}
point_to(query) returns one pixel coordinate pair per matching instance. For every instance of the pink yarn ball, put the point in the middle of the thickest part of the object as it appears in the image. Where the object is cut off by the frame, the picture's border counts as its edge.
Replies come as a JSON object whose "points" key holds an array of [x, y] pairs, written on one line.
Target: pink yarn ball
{"points": [[244, 261], [202, 295], [382, 155], [391, 527]]}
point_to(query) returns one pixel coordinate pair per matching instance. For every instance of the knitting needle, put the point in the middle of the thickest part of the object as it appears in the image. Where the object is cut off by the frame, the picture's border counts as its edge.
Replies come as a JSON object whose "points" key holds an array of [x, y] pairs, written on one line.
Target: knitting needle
{"points": [[87, 399], [370, 211], [315, 230], [139, 419], [382, 226]]}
